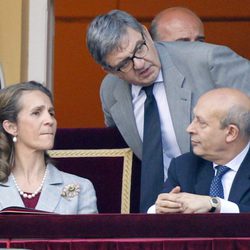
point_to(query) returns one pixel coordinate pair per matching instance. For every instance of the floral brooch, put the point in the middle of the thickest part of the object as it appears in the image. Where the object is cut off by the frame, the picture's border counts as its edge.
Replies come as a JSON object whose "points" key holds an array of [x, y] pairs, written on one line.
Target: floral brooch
{"points": [[70, 191]]}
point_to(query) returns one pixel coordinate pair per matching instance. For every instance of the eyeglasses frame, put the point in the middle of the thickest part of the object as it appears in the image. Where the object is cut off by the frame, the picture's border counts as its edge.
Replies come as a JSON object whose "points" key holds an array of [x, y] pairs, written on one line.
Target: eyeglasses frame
{"points": [[118, 67]]}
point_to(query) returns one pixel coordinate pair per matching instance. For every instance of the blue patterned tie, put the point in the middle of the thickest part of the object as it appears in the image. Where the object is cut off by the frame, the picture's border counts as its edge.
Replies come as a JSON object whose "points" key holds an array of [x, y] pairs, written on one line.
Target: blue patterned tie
{"points": [[152, 169], [216, 188]]}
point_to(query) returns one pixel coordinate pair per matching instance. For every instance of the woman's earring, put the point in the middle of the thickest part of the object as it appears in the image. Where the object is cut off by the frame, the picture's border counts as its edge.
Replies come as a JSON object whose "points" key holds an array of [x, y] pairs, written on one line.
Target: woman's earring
{"points": [[14, 139]]}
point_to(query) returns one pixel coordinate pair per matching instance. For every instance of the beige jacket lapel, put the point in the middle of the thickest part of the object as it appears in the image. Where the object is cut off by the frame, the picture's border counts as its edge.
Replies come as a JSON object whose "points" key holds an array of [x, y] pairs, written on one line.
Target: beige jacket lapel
{"points": [[51, 192], [123, 115]]}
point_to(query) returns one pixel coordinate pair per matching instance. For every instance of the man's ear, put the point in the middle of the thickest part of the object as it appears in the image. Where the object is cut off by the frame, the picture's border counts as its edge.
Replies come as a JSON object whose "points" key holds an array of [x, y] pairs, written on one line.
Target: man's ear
{"points": [[232, 133], [147, 34], [10, 127], [106, 70]]}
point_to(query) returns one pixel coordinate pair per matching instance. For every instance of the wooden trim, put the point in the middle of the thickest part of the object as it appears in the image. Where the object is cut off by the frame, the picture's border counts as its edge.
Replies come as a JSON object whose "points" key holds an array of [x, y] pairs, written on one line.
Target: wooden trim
{"points": [[127, 155]]}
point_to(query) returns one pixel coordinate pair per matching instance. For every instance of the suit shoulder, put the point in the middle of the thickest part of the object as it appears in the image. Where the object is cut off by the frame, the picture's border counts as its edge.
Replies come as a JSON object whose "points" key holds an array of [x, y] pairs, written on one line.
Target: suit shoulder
{"points": [[108, 86], [109, 81], [194, 49], [186, 46], [69, 178], [188, 159], [75, 178]]}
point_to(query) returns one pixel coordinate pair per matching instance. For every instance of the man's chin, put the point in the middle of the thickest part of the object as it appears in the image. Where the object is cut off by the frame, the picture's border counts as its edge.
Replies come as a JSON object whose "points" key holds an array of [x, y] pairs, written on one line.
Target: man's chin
{"points": [[197, 151]]}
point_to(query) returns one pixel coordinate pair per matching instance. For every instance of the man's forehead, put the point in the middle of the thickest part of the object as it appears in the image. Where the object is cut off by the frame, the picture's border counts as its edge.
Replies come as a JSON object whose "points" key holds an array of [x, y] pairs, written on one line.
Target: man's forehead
{"points": [[130, 37], [125, 47], [208, 111], [202, 107]]}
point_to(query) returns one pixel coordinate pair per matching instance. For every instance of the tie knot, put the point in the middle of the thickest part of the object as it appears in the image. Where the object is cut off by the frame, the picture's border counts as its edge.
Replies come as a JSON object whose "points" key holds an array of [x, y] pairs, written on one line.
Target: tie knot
{"points": [[221, 170], [148, 90]]}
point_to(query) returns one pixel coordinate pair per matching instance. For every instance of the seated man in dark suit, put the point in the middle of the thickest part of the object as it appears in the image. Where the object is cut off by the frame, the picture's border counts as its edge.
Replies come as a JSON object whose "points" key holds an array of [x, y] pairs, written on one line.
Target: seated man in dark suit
{"points": [[220, 133]]}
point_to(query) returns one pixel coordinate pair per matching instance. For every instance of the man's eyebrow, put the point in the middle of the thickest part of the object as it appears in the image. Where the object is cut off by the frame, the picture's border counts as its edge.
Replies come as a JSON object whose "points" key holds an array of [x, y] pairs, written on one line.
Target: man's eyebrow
{"points": [[139, 42], [187, 39], [200, 38], [183, 39]]}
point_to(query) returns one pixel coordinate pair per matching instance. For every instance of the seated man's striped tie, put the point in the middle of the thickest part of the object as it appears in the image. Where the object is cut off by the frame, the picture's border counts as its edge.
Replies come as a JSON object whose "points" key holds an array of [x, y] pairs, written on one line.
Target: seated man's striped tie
{"points": [[216, 188]]}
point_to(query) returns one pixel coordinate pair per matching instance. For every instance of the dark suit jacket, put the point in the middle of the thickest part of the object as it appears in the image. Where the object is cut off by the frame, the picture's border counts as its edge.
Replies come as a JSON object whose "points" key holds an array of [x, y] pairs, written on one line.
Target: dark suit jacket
{"points": [[194, 175]]}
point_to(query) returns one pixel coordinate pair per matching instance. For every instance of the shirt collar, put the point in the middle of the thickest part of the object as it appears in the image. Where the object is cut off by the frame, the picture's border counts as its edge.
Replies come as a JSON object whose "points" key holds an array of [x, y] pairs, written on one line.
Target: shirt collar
{"points": [[135, 90], [159, 77], [235, 163]]}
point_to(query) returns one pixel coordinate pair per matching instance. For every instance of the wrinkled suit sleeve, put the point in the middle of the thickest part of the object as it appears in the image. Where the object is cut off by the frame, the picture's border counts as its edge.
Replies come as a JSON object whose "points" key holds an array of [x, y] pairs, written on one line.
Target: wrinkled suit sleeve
{"points": [[171, 181], [228, 69], [107, 100]]}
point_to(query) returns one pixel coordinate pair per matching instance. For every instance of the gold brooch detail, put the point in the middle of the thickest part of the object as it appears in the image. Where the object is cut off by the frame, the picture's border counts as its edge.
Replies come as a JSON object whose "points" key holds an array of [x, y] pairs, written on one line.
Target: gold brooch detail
{"points": [[70, 191]]}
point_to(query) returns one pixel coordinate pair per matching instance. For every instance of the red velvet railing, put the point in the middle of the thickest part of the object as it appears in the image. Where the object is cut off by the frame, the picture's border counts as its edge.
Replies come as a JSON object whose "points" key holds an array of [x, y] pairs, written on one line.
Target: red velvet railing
{"points": [[134, 231], [124, 226]]}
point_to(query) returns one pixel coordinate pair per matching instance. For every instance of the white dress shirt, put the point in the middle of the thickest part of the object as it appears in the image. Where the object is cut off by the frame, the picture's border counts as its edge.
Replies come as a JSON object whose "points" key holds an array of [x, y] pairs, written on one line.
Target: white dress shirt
{"points": [[169, 142]]}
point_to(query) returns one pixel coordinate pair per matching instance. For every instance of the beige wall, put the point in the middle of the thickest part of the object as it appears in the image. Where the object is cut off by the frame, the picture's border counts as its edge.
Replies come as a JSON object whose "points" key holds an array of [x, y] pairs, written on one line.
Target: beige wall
{"points": [[13, 39]]}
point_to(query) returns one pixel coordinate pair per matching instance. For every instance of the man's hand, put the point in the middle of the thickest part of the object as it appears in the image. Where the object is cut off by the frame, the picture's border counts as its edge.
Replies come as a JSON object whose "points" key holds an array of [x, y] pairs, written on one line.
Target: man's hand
{"points": [[167, 202], [194, 203], [178, 202]]}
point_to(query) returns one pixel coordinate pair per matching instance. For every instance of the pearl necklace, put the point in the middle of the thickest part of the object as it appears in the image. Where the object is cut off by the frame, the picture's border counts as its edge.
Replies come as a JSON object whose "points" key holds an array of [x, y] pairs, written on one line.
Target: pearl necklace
{"points": [[38, 190]]}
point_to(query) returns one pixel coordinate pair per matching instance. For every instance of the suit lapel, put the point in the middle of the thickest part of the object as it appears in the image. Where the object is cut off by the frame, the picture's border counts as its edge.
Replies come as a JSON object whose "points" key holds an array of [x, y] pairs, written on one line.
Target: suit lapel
{"points": [[179, 99], [9, 195], [241, 183], [205, 174], [123, 115], [51, 192]]}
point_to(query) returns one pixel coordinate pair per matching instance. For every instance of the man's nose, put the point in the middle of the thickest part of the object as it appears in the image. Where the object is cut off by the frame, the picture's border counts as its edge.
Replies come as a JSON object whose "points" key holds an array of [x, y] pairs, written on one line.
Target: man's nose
{"points": [[138, 63], [190, 128]]}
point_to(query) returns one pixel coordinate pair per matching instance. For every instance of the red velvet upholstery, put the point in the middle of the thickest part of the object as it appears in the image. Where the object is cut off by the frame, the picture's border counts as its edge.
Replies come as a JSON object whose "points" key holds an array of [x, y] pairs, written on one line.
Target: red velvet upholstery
{"points": [[104, 172], [134, 231], [135, 244], [101, 226], [3, 243]]}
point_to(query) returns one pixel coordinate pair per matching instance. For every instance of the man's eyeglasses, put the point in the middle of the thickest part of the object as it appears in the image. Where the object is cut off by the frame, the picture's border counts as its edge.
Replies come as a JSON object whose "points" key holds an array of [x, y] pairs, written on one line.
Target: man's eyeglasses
{"points": [[127, 64]]}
